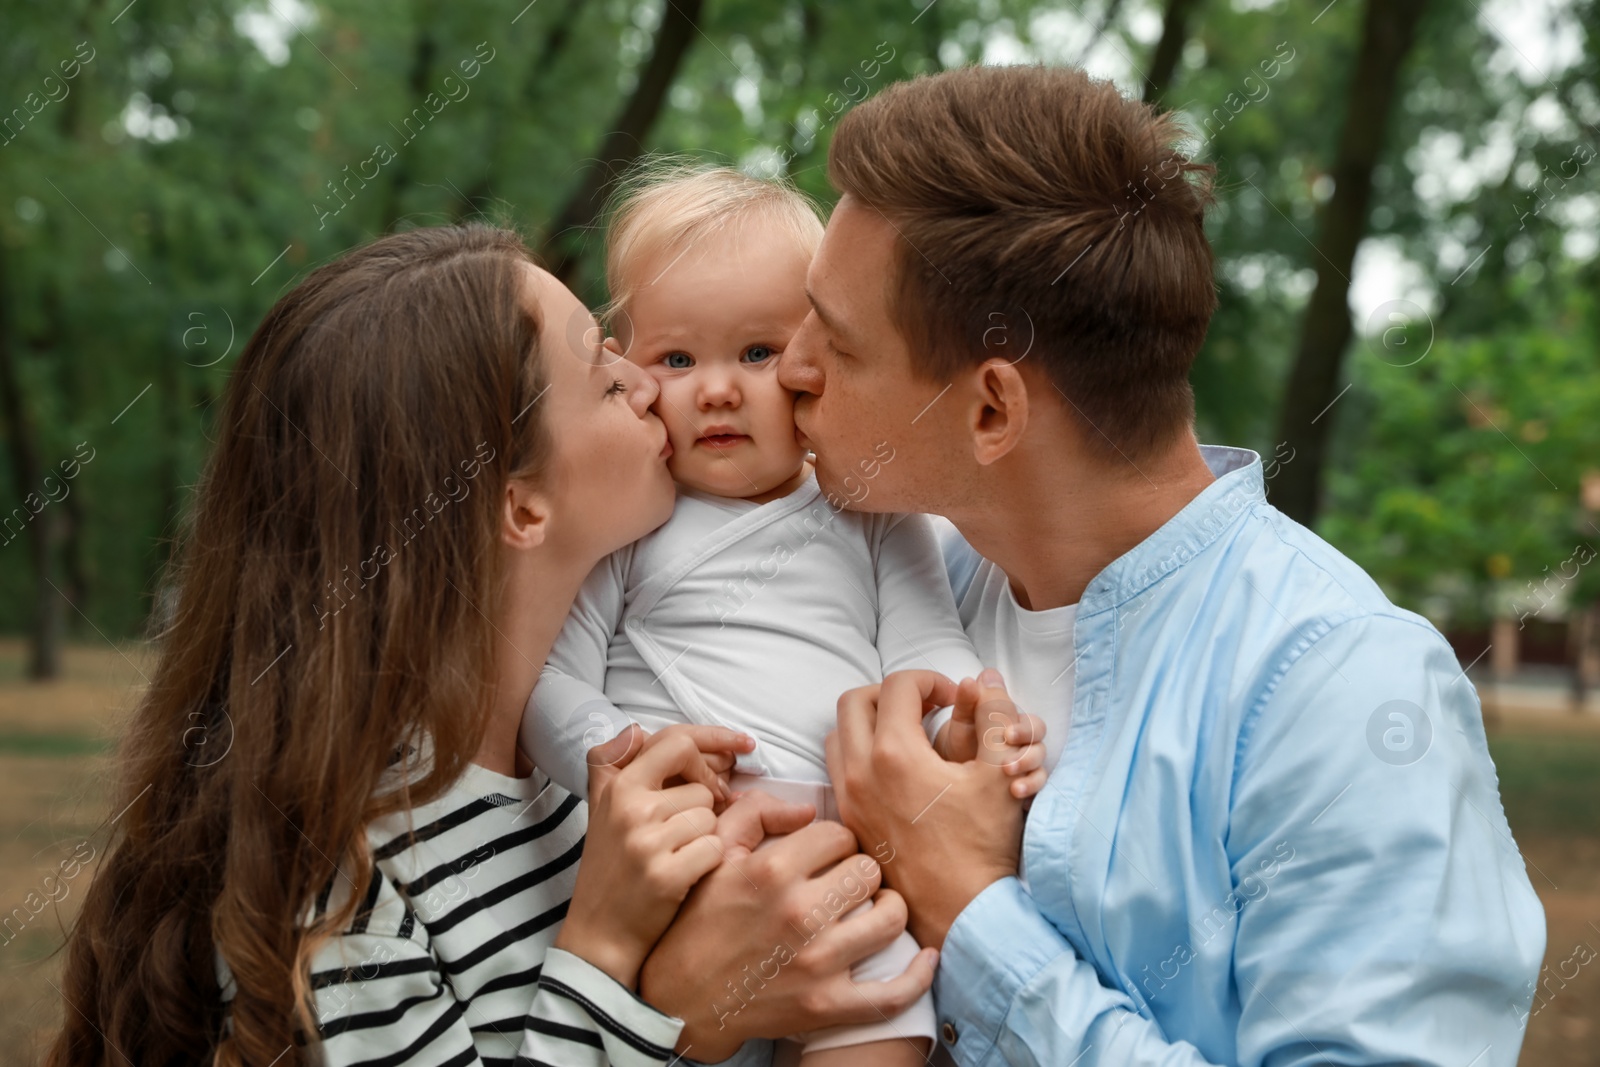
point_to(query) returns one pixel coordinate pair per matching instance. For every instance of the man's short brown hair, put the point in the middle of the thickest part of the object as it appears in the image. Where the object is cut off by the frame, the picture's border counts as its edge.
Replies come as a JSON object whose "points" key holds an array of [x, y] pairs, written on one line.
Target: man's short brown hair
{"points": [[1040, 210]]}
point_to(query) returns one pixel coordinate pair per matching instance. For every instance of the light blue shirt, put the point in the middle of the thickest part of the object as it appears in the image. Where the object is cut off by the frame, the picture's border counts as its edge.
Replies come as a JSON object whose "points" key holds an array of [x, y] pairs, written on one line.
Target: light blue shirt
{"points": [[1274, 836]]}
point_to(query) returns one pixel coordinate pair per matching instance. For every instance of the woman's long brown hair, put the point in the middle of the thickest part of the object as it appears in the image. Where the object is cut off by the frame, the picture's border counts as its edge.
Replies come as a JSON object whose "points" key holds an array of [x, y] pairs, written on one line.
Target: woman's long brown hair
{"points": [[333, 596]]}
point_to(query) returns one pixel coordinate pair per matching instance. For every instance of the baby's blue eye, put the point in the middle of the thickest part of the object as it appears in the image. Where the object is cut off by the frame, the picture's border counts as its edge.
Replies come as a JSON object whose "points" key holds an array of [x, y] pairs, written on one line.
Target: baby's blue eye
{"points": [[678, 360], [758, 353]]}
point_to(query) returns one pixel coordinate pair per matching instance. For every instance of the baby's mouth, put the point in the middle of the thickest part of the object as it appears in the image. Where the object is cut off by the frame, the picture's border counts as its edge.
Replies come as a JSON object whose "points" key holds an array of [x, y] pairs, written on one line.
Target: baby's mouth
{"points": [[722, 440]]}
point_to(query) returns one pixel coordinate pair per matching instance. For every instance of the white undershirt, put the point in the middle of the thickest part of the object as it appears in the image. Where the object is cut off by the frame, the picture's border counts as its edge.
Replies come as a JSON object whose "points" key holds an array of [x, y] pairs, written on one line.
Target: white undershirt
{"points": [[1032, 650]]}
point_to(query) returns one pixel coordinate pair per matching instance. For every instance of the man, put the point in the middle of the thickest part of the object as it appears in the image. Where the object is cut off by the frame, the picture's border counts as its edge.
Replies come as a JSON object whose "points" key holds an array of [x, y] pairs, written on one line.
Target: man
{"points": [[1273, 833]]}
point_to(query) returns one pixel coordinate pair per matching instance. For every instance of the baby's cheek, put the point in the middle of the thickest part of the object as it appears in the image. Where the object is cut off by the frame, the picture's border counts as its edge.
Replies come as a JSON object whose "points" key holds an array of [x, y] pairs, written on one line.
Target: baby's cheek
{"points": [[673, 407], [776, 408]]}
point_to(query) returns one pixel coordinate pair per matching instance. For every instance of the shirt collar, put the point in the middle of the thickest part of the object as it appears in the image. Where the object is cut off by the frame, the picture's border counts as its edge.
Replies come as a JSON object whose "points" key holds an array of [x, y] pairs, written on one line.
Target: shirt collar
{"points": [[1238, 487]]}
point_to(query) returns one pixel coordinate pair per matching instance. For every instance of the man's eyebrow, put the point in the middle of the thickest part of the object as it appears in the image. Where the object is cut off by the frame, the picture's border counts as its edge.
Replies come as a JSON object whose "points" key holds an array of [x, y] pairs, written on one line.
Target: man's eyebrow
{"points": [[827, 318]]}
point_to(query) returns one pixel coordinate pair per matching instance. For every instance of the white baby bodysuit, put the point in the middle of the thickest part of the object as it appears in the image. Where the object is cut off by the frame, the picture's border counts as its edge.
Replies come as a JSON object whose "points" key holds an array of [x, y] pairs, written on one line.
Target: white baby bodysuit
{"points": [[752, 616]]}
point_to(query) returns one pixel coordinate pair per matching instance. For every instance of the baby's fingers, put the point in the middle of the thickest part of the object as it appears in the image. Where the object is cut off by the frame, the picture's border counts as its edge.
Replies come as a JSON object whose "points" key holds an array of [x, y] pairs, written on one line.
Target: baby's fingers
{"points": [[1028, 786], [1028, 760], [1027, 730]]}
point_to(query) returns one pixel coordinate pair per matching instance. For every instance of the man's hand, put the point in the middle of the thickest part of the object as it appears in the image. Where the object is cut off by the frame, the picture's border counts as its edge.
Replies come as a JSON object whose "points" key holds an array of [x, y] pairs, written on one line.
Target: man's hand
{"points": [[943, 831], [762, 947]]}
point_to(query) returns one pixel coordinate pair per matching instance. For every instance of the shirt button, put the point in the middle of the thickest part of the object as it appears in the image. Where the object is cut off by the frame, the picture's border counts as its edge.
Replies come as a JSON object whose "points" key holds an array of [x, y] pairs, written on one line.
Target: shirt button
{"points": [[948, 1032]]}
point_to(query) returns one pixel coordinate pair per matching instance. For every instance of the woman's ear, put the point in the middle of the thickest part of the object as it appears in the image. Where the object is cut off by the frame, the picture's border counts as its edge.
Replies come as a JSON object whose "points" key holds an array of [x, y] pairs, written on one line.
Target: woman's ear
{"points": [[999, 411], [525, 515]]}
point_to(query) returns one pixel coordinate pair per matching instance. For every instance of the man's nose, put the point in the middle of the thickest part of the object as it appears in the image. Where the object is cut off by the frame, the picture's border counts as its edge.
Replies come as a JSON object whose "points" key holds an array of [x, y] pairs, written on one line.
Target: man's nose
{"points": [[798, 370]]}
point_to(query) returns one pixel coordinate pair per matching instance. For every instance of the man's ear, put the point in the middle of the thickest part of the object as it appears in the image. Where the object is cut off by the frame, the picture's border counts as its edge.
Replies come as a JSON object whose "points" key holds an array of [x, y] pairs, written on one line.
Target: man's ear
{"points": [[524, 515], [999, 410]]}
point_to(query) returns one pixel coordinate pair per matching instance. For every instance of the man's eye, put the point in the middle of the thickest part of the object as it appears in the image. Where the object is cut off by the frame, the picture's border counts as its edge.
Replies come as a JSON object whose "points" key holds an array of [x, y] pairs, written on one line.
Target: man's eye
{"points": [[758, 353], [678, 361]]}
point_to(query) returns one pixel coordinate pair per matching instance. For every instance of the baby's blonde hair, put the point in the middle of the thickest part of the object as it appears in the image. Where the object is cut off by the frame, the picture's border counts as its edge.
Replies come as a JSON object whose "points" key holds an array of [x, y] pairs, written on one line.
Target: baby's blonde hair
{"points": [[669, 204]]}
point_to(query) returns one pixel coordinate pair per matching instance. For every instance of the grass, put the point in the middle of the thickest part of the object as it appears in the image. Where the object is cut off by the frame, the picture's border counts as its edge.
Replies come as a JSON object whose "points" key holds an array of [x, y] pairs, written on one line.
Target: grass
{"points": [[55, 743], [1549, 784], [32, 744]]}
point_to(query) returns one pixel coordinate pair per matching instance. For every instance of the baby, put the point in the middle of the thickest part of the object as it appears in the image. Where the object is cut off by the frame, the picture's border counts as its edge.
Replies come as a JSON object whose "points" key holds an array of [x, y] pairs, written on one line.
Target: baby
{"points": [[758, 602]]}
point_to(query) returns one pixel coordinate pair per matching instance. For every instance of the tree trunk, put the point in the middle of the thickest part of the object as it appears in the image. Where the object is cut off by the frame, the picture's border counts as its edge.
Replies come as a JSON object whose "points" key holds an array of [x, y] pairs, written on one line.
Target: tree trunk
{"points": [[810, 33], [44, 659], [624, 144], [555, 42], [69, 526], [421, 63], [932, 27], [172, 401], [72, 121], [1388, 30], [1174, 35], [73, 126], [1107, 16]]}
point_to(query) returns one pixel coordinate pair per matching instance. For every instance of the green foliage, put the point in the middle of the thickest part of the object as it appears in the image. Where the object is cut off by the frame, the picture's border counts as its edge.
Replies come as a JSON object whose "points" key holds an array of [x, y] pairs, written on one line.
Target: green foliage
{"points": [[1463, 493], [150, 216]]}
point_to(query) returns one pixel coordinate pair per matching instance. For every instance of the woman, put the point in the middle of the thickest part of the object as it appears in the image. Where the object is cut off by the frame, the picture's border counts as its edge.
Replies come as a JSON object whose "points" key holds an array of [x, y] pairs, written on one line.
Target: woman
{"points": [[422, 452]]}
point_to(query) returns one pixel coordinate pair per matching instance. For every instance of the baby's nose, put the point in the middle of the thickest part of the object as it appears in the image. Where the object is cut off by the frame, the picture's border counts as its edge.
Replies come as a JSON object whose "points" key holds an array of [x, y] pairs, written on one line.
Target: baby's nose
{"points": [[719, 389]]}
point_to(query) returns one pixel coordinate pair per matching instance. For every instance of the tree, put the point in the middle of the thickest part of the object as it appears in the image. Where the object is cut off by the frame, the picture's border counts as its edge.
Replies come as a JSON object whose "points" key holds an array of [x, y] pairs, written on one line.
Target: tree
{"points": [[1387, 35], [38, 526], [1164, 61], [624, 140], [1463, 498], [149, 157]]}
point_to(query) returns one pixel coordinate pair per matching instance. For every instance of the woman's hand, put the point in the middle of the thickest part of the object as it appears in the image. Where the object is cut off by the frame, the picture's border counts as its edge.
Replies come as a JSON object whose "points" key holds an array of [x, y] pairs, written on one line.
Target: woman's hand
{"points": [[985, 725], [716, 751], [651, 837], [763, 947]]}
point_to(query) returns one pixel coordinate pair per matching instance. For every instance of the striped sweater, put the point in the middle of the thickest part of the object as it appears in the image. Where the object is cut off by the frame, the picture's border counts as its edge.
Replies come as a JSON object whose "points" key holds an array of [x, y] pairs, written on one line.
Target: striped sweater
{"points": [[449, 959]]}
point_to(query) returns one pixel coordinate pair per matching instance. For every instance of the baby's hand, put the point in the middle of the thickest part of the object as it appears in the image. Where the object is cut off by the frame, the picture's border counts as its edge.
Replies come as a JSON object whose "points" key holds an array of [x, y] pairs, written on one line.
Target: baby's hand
{"points": [[718, 747], [987, 726]]}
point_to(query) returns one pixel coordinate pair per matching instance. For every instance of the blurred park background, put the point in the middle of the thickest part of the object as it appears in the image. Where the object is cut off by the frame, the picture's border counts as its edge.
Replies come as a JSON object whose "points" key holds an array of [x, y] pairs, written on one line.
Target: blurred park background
{"points": [[1407, 225]]}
